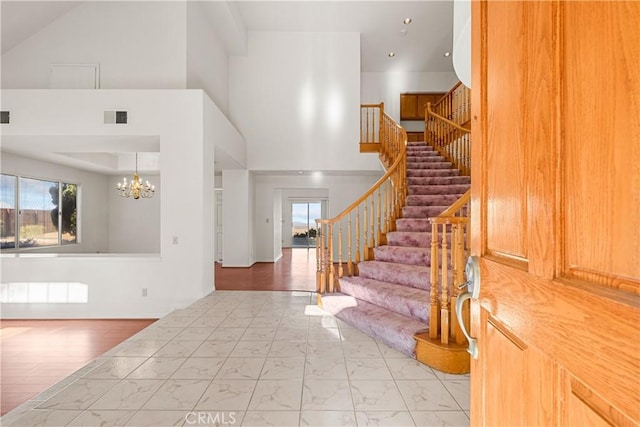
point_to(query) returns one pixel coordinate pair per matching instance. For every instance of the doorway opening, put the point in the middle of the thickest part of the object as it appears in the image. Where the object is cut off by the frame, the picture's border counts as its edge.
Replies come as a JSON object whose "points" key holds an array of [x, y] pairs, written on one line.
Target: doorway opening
{"points": [[303, 224]]}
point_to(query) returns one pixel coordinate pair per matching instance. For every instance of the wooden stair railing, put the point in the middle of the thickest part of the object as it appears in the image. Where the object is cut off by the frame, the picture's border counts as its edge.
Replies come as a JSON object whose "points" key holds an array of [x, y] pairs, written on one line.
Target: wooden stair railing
{"points": [[370, 124], [455, 105], [448, 229], [447, 127], [363, 225], [444, 346]]}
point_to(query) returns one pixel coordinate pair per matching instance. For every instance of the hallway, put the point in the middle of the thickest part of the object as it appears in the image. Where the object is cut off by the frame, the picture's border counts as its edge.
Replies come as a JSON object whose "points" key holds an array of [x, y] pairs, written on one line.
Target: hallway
{"points": [[295, 271]]}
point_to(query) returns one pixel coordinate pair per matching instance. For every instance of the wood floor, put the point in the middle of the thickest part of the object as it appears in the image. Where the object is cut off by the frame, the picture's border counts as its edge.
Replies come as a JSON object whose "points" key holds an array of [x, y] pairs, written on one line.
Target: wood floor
{"points": [[295, 271], [35, 354]]}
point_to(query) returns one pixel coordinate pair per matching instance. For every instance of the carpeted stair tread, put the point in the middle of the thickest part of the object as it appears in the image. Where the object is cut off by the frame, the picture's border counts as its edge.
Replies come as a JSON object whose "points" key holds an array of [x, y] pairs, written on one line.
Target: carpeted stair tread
{"points": [[424, 162], [422, 211], [403, 300], [393, 329], [432, 165], [419, 156], [432, 172], [437, 180], [420, 239], [419, 147], [415, 239], [403, 255], [434, 189], [414, 276], [413, 224], [444, 199]]}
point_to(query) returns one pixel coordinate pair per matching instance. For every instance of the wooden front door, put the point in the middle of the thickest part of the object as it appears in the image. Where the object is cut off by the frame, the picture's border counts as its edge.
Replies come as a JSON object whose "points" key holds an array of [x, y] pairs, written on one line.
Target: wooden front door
{"points": [[556, 213]]}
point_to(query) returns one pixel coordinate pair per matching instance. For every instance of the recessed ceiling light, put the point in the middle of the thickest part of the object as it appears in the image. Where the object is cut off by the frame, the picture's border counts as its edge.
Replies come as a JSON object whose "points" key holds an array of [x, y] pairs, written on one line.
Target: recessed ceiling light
{"points": [[391, 54], [300, 172], [407, 21], [446, 54]]}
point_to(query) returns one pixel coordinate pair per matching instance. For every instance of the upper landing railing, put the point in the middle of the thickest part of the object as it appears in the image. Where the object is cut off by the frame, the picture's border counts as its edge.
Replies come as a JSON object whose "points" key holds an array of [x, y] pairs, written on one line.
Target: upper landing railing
{"points": [[447, 127]]}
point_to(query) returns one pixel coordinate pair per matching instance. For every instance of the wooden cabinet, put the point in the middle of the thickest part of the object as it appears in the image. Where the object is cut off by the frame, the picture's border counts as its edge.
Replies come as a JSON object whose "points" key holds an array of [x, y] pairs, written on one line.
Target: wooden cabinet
{"points": [[415, 136], [412, 104]]}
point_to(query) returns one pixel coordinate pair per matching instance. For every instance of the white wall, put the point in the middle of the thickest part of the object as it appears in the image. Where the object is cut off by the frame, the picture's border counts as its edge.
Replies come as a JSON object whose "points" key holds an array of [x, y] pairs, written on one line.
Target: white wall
{"points": [[386, 87], [295, 98], [215, 127], [341, 191], [184, 270], [93, 205], [230, 146], [207, 60], [137, 44], [462, 40], [134, 225], [236, 211]]}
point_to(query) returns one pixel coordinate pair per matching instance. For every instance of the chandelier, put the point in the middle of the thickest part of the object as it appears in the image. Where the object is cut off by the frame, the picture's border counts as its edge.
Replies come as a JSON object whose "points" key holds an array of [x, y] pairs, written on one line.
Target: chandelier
{"points": [[136, 188]]}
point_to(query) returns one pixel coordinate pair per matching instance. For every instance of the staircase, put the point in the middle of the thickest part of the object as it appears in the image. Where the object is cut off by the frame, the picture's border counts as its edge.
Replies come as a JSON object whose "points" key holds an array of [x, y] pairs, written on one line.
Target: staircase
{"points": [[389, 262], [390, 298]]}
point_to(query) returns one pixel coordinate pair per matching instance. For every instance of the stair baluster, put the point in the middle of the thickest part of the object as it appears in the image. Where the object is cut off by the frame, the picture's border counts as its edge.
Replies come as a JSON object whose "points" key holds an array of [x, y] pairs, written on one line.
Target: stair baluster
{"points": [[435, 302], [340, 270], [349, 248]]}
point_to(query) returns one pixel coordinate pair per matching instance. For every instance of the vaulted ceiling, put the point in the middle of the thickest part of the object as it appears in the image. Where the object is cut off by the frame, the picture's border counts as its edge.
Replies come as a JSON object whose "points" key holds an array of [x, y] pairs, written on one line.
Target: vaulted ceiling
{"points": [[418, 46]]}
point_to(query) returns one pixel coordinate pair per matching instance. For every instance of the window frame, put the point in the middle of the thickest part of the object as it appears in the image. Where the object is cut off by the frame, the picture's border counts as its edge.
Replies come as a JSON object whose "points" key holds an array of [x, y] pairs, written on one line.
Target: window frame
{"points": [[15, 209]]}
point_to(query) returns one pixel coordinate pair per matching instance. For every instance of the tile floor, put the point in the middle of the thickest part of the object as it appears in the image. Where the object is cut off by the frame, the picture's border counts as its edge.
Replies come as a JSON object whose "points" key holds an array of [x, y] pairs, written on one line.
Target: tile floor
{"points": [[250, 359]]}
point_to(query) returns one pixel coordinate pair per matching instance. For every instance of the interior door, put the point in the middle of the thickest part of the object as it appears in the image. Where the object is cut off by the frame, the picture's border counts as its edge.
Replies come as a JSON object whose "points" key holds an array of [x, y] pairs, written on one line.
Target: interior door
{"points": [[556, 213]]}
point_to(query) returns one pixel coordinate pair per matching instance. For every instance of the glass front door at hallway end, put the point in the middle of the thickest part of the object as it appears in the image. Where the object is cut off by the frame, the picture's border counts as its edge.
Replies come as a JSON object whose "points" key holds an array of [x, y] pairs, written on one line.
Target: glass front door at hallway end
{"points": [[303, 216]]}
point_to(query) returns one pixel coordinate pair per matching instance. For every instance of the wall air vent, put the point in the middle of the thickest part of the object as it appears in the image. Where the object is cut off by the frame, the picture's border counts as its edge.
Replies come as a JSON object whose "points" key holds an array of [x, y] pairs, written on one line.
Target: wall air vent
{"points": [[4, 117], [117, 117]]}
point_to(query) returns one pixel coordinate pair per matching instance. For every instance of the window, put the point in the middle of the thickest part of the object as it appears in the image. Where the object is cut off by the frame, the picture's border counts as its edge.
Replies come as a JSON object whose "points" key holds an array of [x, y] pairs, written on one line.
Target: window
{"points": [[8, 211], [37, 213], [36, 225]]}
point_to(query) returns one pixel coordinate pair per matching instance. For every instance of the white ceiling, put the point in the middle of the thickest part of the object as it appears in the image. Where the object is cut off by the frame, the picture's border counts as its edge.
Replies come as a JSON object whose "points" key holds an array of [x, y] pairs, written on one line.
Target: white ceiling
{"points": [[107, 154], [22, 19], [380, 24]]}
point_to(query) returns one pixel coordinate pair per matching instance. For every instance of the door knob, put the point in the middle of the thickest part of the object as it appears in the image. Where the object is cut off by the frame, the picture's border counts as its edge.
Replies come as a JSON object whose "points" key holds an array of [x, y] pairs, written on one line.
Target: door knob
{"points": [[472, 271]]}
